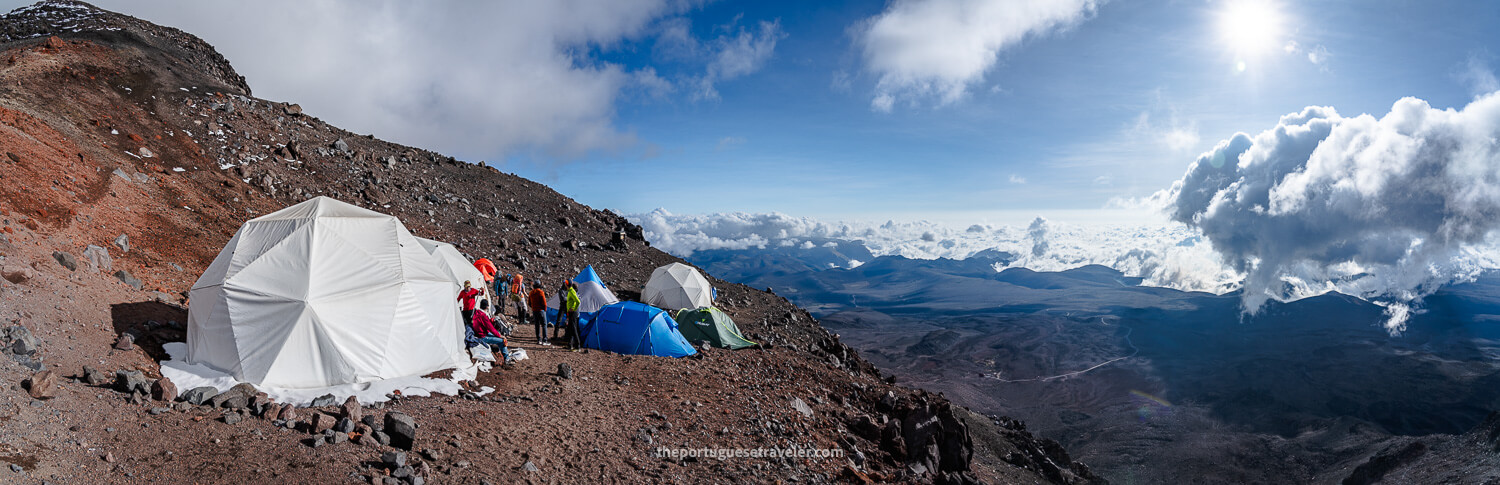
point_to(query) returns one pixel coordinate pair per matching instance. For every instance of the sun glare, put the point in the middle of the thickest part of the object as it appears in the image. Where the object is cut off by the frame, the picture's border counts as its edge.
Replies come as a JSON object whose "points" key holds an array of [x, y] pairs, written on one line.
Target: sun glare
{"points": [[1251, 28]]}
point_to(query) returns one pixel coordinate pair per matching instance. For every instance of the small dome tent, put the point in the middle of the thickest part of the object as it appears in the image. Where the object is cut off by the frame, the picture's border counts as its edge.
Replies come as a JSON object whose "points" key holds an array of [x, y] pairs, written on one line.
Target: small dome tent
{"points": [[711, 325], [324, 293], [635, 328], [676, 286], [486, 267], [592, 295]]}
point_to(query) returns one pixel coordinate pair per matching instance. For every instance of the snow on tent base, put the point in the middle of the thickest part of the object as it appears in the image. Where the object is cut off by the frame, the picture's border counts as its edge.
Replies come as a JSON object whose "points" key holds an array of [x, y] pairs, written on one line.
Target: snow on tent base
{"points": [[188, 376], [634, 328], [713, 326]]}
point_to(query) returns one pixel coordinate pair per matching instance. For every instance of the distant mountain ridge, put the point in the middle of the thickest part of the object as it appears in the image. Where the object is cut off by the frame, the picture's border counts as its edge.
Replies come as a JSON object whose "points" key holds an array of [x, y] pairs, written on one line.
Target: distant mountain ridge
{"points": [[1127, 375]]}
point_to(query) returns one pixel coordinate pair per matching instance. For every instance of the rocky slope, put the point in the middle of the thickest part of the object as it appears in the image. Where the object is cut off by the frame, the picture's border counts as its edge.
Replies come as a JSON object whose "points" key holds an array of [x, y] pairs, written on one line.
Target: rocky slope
{"points": [[132, 152]]}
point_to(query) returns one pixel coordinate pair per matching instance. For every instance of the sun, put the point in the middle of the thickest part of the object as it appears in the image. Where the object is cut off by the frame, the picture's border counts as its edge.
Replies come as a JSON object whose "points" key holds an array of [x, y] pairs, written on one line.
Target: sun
{"points": [[1250, 28]]}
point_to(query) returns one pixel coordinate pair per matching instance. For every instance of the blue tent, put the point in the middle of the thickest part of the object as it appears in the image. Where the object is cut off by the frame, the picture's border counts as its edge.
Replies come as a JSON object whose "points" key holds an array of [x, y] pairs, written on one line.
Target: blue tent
{"points": [[629, 327], [592, 295]]}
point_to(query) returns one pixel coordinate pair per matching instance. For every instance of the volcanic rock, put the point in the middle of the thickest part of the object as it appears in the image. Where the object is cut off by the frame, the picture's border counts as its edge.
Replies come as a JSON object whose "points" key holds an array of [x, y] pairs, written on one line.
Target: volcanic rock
{"points": [[42, 385], [163, 390], [131, 382], [66, 260], [126, 342], [98, 258], [352, 410], [94, 377], [199, 395], [125, 277], [401, 428]]}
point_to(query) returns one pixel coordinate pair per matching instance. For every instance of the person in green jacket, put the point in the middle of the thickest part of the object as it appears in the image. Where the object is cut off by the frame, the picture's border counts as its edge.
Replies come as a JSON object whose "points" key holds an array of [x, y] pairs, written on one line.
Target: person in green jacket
{"points": [[570, 304]]}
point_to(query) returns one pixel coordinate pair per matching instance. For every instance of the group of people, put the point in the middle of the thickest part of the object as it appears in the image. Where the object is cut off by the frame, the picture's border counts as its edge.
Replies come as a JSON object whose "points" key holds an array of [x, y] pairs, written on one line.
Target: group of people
{"points": [[484, 328]]}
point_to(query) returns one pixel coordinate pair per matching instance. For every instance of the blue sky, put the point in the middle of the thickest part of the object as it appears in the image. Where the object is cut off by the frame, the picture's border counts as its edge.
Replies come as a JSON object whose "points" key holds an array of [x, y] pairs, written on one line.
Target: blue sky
{"points": [[1114, 105], [935, 109]]}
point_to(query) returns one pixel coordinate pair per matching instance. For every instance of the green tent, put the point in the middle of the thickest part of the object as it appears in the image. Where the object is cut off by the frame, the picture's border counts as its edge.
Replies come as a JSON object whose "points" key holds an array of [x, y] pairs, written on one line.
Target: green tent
{"points": [[711, 325]]}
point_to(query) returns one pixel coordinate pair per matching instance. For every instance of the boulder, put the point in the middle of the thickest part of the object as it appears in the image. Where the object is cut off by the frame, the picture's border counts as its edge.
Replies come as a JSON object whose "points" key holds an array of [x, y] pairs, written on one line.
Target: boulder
{"points": [[401, 428], [245, 388], [125, 277], [260, 402], [322, 401], [230, 400], [163, 390], [322, 422], [199, 395], [801, 407], [273, 411], [131, 382], [352, 410], [66, 260], [232, 418], [123, 242], [344, 425], [42, 385], [287, 413], [393, 459], [22, 341], [98, 258], [126, 342], [565, 371], [94, 377]]}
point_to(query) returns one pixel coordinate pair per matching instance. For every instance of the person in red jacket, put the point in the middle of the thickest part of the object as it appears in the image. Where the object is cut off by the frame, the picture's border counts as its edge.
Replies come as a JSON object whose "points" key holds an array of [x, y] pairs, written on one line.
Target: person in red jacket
{"points": [[467, 297], [485, 332], [538, 302]]}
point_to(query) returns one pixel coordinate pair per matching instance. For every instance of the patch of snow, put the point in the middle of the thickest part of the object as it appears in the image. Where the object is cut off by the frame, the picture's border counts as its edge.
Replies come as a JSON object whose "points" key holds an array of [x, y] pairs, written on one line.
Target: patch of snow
{"points": [[178, 169], [187, 376]]}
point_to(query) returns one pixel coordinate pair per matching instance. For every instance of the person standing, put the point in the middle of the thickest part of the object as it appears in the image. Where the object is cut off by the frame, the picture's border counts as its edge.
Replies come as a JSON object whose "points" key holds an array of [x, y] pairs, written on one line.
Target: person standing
{"points": [[570, 303], [467, 297], [516, 298], [560, 317], [538, 300], [502, 292]]}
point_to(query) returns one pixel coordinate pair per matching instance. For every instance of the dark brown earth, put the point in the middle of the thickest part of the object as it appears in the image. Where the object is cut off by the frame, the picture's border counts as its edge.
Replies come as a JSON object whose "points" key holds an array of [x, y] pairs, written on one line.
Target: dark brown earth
{"points": [[85, 94]]}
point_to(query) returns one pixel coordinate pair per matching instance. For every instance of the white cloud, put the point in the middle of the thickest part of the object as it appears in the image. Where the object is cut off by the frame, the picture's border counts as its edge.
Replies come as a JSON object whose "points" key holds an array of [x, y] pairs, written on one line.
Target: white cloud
{"points": [[1389, 208], [736, 54], [474, 79], [1017, 179], [937, 49], [1174, 134], [1477, 75]]}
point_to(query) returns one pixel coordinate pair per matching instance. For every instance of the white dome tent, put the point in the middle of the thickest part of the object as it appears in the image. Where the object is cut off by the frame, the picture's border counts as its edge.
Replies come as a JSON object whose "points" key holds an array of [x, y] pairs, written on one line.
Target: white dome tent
{"points": [[677, 286], [455, 264], [324, 293]]}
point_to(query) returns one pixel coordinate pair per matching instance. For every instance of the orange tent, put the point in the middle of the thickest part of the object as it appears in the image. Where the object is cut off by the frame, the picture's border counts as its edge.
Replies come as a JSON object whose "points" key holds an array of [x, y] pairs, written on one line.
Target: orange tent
{"points": [[487, 268]]}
